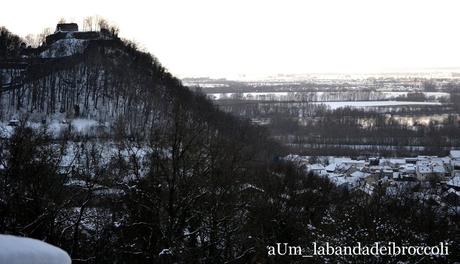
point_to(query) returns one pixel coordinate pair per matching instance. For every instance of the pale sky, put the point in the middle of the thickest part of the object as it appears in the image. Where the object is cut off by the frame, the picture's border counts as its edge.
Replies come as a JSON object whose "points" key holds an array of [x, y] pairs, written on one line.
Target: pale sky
{"points": [[221, 38]]}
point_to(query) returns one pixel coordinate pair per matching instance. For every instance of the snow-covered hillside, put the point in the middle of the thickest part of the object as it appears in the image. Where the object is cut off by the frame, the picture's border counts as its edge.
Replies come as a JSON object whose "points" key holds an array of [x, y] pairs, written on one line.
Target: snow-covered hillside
{"points": [[64, 48], [21, 250]]}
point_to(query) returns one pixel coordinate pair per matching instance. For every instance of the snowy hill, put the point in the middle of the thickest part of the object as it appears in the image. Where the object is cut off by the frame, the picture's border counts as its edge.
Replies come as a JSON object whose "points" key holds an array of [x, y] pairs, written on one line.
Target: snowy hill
{"points": [[21, 250], [83, 75]]}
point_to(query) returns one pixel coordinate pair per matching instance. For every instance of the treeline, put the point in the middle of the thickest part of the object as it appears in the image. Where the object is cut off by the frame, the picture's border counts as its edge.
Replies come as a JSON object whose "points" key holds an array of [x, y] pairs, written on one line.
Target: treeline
{"points": [[10, 44], [314, 129], [331, 96]]}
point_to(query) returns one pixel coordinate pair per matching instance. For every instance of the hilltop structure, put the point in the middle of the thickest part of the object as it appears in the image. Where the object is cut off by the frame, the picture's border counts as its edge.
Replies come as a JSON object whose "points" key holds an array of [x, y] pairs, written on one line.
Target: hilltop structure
{"points": [[66, 27], [66, 41], [71, 31]]}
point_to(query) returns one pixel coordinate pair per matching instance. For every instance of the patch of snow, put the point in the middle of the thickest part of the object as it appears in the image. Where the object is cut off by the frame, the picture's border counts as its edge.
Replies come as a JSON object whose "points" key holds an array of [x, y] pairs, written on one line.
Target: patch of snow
{"points": [[21, 250], [64, 48], [6, 131], [248, 186], [82, 125], [165, 251]]}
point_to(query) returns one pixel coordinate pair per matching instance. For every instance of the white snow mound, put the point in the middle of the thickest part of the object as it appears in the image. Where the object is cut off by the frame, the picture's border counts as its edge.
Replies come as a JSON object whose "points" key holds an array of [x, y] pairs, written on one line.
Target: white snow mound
{"points": [[22, 250]]}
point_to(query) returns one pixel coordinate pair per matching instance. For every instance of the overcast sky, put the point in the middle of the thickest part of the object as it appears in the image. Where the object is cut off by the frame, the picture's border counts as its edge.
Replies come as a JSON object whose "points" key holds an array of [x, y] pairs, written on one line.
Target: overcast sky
{"points": [[227, 38]]}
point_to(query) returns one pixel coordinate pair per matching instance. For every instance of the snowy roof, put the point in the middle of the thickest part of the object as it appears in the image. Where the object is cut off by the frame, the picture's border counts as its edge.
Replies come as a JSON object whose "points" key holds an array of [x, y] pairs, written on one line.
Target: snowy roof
{"points": [[316, 167], [424, 169], [359, 161], [337, 180], [331, 167], [343, 167], [359, 174], [452, 191], [437, 161], [423, 163], [408, 167], [341, 160], [455, 181], [439, 169], [446, 160], [21, 250], [397, 161], [455, 154]]}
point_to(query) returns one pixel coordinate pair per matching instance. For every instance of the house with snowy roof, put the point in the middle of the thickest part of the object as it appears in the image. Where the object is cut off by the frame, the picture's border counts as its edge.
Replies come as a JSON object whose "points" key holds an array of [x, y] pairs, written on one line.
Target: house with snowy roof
{"points": [[349, 162], [454, 154], [454, 183], [395, 163], [387, 173], [317, 169], [357, 178], [407, 169], [424, 170], [331, 167]]}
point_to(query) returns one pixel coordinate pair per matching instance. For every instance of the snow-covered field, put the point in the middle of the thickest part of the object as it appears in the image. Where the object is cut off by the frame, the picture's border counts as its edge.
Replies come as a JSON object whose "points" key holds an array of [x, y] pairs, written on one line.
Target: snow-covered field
{"points": [[362, 104], [437, 95], [249, 96], [21, 250], [321, 96]]}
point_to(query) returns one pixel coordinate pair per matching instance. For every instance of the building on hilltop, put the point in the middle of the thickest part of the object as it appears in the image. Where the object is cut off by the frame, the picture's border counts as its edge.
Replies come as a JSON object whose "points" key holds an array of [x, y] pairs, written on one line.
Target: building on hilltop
{"points": [[70, 31], [66, 27]]}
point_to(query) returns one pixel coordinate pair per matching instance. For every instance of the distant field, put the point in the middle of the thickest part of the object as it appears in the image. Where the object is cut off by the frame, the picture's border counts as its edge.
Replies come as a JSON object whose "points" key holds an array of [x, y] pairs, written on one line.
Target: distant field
{"points": [[363, 104]]}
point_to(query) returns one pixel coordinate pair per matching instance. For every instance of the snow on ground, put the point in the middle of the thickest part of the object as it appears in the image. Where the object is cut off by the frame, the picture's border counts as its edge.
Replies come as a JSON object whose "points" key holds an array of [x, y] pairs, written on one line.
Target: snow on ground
{"points": [[64, 48], [321, 96], [361, 104], [251, 95], [55, 126], [21, 250], [82, 125], [436, 95], [5, 130]]}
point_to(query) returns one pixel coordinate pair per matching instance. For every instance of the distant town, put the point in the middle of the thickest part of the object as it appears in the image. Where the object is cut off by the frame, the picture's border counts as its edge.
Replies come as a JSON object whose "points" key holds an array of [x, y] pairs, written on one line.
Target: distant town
{"points": [[431, 179]]}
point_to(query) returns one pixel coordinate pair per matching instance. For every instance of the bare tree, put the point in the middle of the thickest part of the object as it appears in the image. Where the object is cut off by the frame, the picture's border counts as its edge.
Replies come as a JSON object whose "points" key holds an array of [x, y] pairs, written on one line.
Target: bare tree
{"points": [[41, 38], [88, 23]]}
